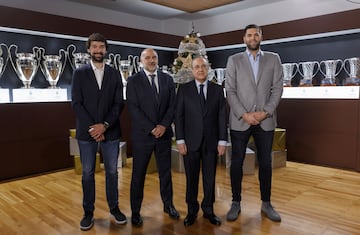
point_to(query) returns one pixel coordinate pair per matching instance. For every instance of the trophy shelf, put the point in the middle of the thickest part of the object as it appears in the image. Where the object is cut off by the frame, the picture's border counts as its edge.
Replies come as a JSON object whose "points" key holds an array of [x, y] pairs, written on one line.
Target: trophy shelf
{"points": [[322, 92], [4, 95]]}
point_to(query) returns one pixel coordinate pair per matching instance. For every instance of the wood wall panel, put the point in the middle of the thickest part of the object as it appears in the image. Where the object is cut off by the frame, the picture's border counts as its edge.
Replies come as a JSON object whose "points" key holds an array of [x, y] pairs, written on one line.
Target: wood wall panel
{"points": [[23, 19], [322, 132], [313, 25]]}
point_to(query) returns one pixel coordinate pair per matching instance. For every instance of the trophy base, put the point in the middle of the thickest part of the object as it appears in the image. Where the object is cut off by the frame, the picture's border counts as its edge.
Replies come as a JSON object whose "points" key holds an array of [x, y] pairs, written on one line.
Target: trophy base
{"points": [[306, 82], [352, 81], [287, 83], [328, 82]]}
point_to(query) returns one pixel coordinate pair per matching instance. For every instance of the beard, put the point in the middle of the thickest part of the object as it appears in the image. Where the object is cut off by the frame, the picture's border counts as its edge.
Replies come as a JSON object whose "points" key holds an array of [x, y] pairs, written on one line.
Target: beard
{"points": [[98, 57], [253, 47]]}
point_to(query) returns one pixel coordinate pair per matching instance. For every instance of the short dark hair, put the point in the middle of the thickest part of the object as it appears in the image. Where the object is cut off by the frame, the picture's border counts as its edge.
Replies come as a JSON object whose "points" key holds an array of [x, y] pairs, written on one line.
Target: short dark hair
{"points": [[252, 26], [98, 38]]}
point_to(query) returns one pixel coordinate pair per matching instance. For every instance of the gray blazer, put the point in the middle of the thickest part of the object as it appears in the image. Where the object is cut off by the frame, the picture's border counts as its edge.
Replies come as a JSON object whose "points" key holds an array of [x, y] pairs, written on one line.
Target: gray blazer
{"points": [[245, 95]]}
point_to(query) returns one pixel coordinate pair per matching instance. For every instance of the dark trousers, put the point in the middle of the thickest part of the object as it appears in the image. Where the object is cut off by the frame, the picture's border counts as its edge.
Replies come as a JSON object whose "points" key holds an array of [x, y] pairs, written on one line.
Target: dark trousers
{"points": [[263, 142], [141, 157], [192, 162]]}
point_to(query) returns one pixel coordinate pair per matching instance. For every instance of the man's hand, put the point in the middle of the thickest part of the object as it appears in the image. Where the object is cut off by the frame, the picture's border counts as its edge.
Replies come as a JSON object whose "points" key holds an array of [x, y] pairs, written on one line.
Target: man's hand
{"points": [[260, 116], [182, 149], [158, 131], [250, 118], [97, 132], [221, 150]]}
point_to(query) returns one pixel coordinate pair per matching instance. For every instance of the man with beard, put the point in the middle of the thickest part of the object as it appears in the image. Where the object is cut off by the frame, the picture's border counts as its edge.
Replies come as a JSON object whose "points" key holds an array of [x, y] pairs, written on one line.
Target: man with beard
{"points": [[151, 103], [254, 84], [97, 100]]}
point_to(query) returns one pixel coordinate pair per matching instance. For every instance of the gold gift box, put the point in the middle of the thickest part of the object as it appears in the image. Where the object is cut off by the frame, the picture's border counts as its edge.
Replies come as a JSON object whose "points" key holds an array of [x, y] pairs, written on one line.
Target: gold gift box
{"points": [[72, 133], [279, 142]]}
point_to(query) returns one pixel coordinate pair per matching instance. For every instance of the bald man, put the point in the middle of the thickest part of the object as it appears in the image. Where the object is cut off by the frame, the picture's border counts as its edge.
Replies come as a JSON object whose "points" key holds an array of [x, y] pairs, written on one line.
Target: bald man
{"points": [[151, 103]]}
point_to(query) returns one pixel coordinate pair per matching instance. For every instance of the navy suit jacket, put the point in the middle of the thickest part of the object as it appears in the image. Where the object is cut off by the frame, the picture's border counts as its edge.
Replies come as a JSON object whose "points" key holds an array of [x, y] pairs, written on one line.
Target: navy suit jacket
{"points": [[192, 124], [145, 113], [92, 105]]}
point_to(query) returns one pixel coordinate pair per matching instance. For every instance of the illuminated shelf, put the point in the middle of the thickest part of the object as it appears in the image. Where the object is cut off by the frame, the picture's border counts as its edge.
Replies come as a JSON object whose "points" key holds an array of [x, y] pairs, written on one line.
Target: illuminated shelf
{"points": [[4, 96], [31, 95], [322, 92]]}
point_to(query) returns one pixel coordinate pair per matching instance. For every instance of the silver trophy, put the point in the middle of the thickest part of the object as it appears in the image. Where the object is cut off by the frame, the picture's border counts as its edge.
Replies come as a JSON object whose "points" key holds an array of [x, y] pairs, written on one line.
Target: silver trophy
{"points": [[77, 59], [3, 61], [331, 66], [125, 67], [289, 70], [52, 66], [353, 71], [220, 75], [25, 64], [308, 70]]}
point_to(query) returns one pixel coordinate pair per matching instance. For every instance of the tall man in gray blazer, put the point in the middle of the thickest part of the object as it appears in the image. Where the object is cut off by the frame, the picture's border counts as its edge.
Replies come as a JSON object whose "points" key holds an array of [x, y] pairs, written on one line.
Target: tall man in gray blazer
{"points": [[254, 85]]}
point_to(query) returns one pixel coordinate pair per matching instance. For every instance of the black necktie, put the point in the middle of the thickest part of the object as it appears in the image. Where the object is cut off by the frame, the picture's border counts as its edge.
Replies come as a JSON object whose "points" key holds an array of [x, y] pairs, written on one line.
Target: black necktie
{"points": [[202, 96], [153, 86]]}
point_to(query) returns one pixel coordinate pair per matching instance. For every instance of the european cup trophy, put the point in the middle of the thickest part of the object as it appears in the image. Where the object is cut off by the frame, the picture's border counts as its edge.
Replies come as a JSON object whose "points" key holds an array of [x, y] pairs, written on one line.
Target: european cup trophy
{"points": [[308, 70], [52, 66], [353, 71], [289, 70], [125, 67], [77, 59], [330, 71], [25, 64]]}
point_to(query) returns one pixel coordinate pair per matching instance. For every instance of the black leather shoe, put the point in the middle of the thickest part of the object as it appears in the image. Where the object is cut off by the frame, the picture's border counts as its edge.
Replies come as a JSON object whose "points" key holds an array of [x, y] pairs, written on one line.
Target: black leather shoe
{"points": [[136, 220], [189, 219], [173, 213], [213, 219]]}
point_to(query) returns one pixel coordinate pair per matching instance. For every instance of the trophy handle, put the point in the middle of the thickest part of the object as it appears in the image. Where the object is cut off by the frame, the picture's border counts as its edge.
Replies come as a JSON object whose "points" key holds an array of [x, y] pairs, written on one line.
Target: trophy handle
{"points": [[316, 70], [341, 66], [296, 70], [117, 59], [70, 50], [39, 53], [11, 58], [136, 62], [347, 71], [63, 58], [7, 57]]}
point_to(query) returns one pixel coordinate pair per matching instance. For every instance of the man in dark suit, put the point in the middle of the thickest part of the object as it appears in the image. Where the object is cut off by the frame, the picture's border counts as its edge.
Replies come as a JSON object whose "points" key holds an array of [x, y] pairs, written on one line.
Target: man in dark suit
{"points": [[254, 85], [201, 134], [151, 103], [97, 100]]}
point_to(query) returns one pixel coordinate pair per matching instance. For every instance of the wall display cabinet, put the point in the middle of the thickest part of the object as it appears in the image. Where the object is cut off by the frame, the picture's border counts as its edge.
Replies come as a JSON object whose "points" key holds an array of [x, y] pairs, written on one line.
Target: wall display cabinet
{"points": [[322, 126]]}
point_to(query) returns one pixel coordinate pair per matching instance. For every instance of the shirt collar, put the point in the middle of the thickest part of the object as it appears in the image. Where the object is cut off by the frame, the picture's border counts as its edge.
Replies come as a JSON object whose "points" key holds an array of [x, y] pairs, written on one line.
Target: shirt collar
{"points": [[199, 83], [95, 68], [148, 73], [259, 53]]}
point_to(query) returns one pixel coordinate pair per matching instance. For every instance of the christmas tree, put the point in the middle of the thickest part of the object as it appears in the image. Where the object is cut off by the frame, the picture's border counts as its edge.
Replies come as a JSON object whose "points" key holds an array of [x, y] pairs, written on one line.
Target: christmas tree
{"points": [[191, 46]]}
